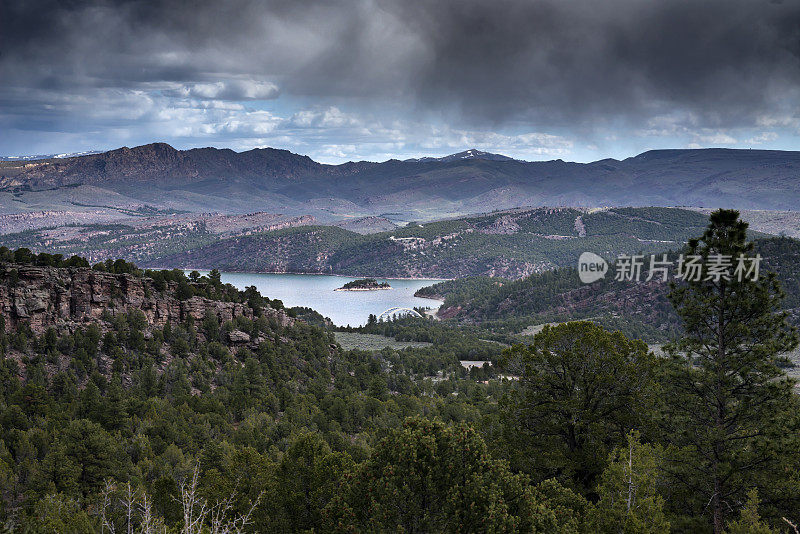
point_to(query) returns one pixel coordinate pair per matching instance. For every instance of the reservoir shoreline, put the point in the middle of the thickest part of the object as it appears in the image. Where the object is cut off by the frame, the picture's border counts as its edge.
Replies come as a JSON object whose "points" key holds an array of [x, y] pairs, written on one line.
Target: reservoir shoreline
{"points": [[317, 291], [206, 269]]}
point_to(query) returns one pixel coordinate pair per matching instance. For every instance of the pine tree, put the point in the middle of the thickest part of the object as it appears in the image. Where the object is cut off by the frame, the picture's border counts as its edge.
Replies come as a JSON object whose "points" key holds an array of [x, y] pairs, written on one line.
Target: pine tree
{"points": [[428, 477], [749, 521], [629, 499], [728, 396], [581, 390]]}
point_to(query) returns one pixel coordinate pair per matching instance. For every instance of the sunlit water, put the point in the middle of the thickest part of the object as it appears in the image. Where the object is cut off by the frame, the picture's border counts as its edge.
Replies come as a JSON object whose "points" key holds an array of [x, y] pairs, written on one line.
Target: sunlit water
{"points": [[342, 307]]}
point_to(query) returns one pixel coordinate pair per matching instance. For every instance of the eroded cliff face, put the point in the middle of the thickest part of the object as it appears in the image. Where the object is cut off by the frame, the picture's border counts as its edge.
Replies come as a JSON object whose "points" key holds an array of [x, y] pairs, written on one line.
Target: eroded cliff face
{"points": [[66, 298]]}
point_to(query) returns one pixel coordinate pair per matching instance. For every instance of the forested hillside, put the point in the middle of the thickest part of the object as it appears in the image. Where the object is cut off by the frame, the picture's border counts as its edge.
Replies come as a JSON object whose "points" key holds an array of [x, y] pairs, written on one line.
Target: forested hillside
{"points": [[504, 244], [638, 309], [120, 396]]}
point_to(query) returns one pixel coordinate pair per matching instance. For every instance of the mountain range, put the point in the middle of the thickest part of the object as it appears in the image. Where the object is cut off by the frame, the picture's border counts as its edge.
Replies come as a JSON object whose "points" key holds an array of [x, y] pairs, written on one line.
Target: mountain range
{"points": [[159, 178]]}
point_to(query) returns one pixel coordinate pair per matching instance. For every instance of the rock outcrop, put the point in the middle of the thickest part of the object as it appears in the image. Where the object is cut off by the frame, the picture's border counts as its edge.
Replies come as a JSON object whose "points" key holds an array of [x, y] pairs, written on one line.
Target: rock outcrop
{"points": [[66, 298], [237, 336]]}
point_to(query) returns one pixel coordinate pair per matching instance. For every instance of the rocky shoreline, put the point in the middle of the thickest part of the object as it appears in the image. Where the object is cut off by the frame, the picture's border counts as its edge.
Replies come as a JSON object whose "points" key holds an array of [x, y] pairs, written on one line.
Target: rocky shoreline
{"points": [[363, 289]]}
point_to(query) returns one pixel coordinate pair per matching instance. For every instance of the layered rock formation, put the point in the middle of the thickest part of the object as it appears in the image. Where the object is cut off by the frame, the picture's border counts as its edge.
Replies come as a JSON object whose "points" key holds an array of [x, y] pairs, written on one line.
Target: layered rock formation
{"points": [[66, 298]]}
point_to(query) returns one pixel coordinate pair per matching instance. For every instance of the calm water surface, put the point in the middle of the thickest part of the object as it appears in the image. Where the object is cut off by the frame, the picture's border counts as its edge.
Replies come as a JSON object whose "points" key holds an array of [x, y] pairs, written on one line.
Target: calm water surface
{"points": [[342, 307]]}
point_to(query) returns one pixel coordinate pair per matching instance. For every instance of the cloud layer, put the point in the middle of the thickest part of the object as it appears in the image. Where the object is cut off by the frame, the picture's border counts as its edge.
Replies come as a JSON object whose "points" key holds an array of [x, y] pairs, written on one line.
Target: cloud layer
{"points": [[382, 76]]}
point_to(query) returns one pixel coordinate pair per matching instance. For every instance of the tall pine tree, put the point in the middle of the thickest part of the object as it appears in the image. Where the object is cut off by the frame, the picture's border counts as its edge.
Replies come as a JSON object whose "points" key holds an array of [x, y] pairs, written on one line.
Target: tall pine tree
{"points": [[730, 401]]}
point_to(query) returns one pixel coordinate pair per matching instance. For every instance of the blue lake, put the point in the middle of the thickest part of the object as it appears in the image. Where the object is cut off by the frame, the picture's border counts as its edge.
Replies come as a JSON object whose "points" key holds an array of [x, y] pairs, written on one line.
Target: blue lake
{"points": [[342, 307]]}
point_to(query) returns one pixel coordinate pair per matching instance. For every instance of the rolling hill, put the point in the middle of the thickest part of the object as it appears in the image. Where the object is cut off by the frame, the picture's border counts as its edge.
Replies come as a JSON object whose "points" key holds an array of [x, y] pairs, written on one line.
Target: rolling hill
{"points": [[509, 244], [638, 309]]}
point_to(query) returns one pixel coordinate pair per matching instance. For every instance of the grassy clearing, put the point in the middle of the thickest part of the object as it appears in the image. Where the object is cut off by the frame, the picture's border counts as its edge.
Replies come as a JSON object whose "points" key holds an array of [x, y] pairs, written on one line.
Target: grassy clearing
{"points": [[353, 340], [534, 329]]}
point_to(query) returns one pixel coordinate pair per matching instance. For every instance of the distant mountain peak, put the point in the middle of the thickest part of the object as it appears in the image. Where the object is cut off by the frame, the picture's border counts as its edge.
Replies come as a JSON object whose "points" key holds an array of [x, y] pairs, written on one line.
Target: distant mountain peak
{"points": [[472, 153], [33, 157]]}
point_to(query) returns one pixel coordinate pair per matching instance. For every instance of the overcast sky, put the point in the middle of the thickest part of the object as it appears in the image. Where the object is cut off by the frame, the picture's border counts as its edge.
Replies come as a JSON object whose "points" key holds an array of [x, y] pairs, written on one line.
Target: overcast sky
{"points": [[373, 79]]}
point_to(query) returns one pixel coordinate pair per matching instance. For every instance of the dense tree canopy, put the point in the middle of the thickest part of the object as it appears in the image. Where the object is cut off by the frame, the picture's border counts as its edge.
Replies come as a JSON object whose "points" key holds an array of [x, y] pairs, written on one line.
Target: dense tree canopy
{"points": [[580, 391]]}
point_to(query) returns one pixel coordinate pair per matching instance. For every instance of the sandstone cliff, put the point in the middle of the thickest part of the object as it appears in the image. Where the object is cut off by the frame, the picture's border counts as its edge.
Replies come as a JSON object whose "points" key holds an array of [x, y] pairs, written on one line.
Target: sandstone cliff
{"points": [[66, 298]]}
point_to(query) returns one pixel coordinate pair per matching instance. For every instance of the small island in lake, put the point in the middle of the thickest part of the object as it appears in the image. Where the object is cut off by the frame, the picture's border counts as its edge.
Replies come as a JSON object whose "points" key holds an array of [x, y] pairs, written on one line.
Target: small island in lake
{"points": [[364, 284]]}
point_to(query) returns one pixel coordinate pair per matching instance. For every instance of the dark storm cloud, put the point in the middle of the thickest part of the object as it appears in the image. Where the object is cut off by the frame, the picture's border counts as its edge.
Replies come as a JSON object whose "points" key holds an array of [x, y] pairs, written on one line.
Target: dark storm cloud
{"points": [[568, 61], [589, 59], [549, 63]]}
